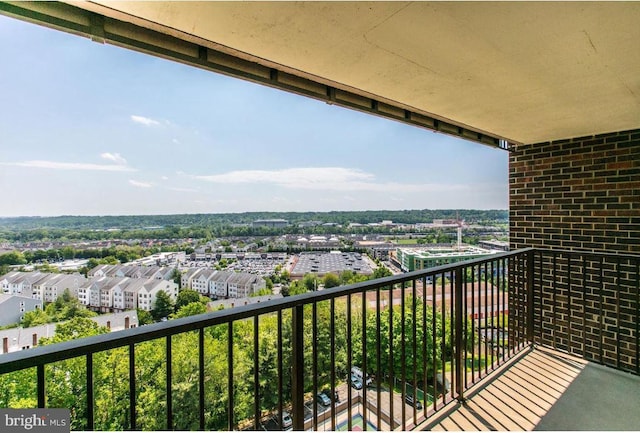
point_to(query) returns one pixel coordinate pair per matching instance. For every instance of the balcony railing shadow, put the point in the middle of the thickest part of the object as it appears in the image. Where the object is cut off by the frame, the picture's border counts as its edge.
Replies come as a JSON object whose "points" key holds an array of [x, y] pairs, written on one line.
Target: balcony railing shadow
{"points": [[398, 351]]}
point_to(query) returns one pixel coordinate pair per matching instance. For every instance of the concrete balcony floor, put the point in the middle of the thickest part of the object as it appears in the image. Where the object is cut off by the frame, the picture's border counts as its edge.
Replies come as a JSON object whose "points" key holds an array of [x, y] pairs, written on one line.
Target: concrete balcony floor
{"points": [[547, 390]]}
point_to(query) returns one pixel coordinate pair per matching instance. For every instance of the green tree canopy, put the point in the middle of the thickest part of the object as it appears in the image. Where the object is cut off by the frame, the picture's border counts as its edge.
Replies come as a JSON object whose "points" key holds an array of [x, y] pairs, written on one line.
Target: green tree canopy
{"points": [[310, 282], [78, 327], [380, 272], [187, 296], [144, 317], [331, 280], [162, 307], [13, 258], [190, 309], [35, 318]]}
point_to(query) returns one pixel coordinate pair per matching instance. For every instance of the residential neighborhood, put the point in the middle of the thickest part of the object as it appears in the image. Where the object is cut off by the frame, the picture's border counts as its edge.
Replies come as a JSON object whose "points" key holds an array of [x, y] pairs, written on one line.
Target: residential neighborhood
{"points": [[16, 339]]}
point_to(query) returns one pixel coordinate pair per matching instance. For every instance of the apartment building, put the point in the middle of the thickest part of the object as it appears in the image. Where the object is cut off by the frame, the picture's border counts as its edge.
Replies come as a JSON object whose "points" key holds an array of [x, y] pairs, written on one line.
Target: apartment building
{"points": [[200, 281], [14, 307], [107, 294], [147, 272], [218, 284], [242, 285]]}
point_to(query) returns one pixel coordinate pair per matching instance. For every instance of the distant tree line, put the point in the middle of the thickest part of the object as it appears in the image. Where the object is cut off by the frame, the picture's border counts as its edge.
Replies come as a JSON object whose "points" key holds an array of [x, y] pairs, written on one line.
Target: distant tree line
{"points": [[208, 226]]}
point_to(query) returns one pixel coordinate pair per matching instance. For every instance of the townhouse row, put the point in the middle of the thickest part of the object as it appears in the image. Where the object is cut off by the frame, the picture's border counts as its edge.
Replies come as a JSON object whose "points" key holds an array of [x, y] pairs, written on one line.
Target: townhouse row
{"points": [[121, 271], [222, 284], [99, 293]]}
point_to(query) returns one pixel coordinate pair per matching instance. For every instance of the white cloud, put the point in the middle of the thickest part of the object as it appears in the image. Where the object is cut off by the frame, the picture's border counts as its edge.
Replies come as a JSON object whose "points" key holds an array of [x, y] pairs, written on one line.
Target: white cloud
{"points": [[55, 165], [291, 177], [164, 178], [146, 121], [175, 141], [182, 189], [140, 184], [323, 178], [115, 157]]}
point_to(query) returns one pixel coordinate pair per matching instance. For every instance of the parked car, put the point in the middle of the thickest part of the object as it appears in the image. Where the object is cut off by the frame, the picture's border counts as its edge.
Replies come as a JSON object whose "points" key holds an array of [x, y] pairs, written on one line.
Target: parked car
{"points": [[324, 399], [364, 378], [286, 419], [356, 382], [336, 397], [409, 399]]}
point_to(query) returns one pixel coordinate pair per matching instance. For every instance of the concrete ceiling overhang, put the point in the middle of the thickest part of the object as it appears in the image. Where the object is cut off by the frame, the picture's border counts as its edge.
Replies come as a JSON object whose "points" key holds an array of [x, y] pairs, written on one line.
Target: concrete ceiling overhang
{"points": [[526, 72]]}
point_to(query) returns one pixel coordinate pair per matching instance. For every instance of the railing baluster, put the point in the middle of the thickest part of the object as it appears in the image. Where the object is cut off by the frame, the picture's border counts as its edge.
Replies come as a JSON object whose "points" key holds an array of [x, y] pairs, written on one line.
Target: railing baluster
{"points": [[601, 311], [201, 377], [89, 361], [584, 305], [41, 386], [132, 386], [332, 333], [457, 316], [280, 370], [618, 294], [169, 382], [569, 315], [378, 362], [519, 304], [391, 378], [364, 358], [637, 319], [554, 301], [314, 366], [297, 383], [443, 308], [403, 367], [256, 372], [230, 386], [349, 365]]}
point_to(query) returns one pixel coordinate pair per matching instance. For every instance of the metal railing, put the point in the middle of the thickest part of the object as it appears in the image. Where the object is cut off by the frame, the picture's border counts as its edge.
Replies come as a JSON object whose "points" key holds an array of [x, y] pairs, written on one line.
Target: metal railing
{"points": [[421, 340], [588, 305]]}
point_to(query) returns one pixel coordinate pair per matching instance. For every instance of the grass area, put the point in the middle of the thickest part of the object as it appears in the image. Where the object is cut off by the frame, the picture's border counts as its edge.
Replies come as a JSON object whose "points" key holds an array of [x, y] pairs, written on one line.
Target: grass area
{"points": [[475, 363], [419, 393]]}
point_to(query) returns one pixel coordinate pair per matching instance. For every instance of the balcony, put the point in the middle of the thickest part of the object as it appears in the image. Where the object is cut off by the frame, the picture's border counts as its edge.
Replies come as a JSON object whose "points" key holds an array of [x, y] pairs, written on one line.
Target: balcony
{"points": [[522, 340]]}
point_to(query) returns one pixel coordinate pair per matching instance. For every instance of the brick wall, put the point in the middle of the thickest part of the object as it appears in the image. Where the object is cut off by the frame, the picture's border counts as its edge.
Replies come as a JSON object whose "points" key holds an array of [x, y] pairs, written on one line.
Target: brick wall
{"points": [[581, 194], [577, 194]]}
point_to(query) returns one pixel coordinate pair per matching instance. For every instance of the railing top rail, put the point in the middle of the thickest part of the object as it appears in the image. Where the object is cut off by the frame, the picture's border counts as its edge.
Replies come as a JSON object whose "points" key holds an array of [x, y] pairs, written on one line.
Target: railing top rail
{"points": [[70, 349]]}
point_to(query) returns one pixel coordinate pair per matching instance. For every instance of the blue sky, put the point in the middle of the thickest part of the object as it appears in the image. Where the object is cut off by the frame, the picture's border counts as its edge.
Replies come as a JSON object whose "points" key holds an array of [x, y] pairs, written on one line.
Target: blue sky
{"points": [[91, 129]]}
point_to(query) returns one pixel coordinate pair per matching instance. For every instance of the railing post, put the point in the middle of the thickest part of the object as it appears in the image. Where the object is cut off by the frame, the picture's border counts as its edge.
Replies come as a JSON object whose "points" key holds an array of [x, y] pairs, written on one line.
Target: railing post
{"points": [[530, 294], [458, 316], [297, 379]]}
